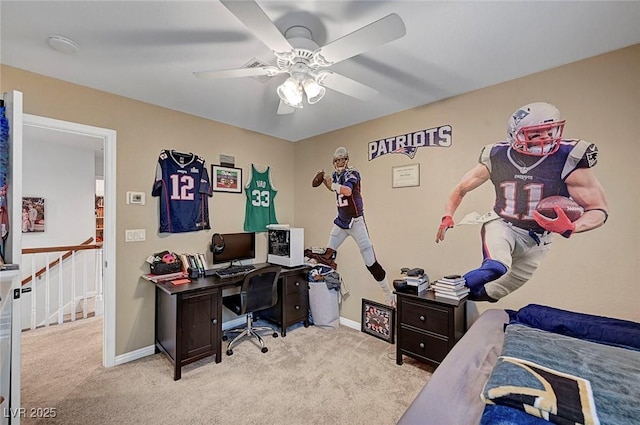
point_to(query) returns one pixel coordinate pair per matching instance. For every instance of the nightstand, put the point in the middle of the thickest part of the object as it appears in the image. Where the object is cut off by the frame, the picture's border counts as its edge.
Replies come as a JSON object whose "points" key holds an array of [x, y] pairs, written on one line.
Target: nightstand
{"points": [[428, 327]]}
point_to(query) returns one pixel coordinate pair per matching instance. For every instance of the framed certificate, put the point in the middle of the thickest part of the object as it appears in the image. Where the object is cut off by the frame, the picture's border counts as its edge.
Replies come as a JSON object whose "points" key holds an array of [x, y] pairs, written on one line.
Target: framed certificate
{"points": [[405, 175]]}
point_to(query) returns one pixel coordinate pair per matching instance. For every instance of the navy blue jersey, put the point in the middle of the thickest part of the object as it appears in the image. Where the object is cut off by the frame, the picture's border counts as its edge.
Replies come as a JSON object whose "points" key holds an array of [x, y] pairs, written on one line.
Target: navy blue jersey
{"points": [[349, 207], [182, 183], [521, 181]]}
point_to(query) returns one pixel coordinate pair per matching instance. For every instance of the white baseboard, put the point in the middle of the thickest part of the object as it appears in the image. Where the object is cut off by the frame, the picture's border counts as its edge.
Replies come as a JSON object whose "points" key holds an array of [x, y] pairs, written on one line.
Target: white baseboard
{"points": [[135, 355], [350, 323]]}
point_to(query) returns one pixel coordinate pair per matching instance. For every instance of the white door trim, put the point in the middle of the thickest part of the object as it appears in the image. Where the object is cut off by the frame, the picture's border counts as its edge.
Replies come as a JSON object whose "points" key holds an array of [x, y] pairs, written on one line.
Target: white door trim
{"points": [[109, 245]]}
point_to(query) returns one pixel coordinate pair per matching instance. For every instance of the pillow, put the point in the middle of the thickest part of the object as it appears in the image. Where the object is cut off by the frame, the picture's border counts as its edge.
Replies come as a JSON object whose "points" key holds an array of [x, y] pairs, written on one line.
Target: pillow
{"points": [[600, 329]]}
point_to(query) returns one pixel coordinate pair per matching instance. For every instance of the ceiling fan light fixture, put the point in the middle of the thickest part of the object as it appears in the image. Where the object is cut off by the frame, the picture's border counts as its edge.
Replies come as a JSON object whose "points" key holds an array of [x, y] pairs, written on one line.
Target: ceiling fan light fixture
{"points": [[313, 90], [291, 93]]}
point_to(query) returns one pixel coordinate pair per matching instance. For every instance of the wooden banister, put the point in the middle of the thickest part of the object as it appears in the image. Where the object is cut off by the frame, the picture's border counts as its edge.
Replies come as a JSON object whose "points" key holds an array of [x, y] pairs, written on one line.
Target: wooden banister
{"points": [[70, 249]]}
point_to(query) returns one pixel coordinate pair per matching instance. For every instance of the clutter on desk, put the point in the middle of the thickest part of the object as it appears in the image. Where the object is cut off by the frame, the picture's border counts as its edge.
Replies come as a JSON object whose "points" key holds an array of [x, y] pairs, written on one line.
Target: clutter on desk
{"points": [[165, 262], [197, 265]]}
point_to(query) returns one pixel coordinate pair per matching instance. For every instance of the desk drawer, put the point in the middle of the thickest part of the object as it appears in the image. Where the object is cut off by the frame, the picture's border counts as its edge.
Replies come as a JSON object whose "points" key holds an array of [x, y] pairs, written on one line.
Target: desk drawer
{"points": [[423, 345], [426, 317], [295, 284], [297, 306]]}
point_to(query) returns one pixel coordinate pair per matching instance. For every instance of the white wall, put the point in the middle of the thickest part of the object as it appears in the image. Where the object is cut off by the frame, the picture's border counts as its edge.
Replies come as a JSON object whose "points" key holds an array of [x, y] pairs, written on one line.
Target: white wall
{"points": [[65, 177]]}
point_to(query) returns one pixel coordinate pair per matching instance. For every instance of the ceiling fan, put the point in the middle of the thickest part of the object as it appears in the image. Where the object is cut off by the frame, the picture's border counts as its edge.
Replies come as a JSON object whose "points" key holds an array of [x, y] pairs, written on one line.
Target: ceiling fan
{"points": [[303, 60]]}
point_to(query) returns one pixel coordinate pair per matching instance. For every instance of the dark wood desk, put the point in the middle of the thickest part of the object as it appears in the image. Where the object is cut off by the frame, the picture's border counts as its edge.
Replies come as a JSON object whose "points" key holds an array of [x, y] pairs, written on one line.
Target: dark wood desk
{"points": [[188, 323]]}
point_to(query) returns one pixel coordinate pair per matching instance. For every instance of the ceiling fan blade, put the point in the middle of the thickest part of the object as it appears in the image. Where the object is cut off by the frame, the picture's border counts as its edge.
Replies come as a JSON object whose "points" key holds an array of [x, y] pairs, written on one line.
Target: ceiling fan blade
{"points": [[254, 18], [284, 109], [347, 86], [382, 31], [235, 73]]}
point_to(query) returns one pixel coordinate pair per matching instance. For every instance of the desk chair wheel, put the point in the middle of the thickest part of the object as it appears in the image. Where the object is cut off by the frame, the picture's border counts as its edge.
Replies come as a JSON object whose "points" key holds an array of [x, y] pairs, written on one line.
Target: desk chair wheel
{"points": [[229, 352], [264, 349], [224, 337], [275, 334]]}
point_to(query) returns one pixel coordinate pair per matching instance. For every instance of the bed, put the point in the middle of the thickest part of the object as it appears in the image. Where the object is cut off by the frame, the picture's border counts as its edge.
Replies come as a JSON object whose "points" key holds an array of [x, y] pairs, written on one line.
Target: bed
{"points": [[534, 366]]}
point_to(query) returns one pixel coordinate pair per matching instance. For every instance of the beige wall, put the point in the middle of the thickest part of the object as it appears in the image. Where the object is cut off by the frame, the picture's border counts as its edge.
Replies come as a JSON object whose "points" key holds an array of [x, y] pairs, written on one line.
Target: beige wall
{"points": [[142, 131], [593, 272]]}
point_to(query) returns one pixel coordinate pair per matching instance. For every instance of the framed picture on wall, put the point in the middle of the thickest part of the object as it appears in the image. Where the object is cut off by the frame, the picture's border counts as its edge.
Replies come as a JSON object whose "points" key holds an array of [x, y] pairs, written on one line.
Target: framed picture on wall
{"points": [[32, 215], [405, 175], [226, 179], [378, 320]]}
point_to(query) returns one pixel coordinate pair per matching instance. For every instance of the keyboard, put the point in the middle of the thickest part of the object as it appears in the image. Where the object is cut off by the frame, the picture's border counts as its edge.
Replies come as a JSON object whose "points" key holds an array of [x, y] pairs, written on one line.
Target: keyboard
{"points": [[234, 271]]}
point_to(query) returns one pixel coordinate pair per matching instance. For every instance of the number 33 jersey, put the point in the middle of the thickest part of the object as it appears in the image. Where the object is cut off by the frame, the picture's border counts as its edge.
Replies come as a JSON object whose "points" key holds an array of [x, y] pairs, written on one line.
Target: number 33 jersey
{"points": [[260, 210], [183, 185]]}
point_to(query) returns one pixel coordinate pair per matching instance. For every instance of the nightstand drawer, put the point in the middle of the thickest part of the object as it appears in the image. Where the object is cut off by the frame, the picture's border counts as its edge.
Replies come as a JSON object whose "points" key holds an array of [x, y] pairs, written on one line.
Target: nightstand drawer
{"points": [[426, 317], [426, 346]]}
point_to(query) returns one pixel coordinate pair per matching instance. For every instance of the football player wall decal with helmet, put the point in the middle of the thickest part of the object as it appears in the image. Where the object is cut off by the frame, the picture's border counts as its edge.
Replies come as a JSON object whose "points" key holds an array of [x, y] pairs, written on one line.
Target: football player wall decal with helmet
{"points": [[346, 183], [534, 163]]}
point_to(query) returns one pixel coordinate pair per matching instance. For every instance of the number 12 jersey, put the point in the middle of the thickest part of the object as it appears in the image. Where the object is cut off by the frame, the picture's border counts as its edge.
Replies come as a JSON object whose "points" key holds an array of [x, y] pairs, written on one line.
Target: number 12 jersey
{"points": [[183, 185]]}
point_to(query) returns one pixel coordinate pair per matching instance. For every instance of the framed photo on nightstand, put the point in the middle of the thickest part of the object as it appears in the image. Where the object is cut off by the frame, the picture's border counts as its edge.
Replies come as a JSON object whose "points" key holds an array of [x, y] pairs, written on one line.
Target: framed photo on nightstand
{"points": [[378, 320]]}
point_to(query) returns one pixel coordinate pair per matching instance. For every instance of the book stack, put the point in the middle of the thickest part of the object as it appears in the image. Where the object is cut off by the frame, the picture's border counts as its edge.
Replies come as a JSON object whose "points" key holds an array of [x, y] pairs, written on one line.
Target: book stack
{"points": [[419, 283], [451, 287], [195, 264]]}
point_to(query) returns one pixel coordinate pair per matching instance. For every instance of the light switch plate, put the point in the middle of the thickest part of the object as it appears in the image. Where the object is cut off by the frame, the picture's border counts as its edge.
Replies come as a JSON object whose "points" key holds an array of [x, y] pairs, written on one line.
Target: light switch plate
{"points": [[135, 235]]}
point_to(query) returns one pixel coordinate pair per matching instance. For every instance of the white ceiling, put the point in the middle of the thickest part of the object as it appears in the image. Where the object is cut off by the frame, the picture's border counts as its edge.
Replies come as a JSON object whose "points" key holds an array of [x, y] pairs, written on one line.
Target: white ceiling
{"points": [[148, 50]]}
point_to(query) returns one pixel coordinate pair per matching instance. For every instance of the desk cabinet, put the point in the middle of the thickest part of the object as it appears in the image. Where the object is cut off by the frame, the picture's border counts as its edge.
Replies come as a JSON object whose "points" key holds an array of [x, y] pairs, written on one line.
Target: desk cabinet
{"points": [[187, 326], [428, 327], [293, 302]]}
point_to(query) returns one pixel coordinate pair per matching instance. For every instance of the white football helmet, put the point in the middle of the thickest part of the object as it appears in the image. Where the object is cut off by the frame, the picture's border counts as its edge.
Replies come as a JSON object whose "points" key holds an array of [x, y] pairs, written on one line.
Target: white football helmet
{"points": [[535, 129], [340, 159]]}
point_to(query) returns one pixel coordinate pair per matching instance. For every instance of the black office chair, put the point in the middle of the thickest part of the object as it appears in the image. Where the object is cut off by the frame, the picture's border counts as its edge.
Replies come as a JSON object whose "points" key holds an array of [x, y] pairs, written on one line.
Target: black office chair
{"points": [[259, 291]]}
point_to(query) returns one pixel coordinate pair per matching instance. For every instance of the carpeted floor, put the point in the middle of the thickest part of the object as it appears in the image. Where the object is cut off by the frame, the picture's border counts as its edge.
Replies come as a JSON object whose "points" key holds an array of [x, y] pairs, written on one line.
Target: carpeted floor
{"points": [[312, 376]]}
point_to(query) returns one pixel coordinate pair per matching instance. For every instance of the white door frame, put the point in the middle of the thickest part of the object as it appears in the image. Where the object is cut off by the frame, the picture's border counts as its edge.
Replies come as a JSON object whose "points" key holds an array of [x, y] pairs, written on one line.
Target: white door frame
{"points": [[109, 245]]}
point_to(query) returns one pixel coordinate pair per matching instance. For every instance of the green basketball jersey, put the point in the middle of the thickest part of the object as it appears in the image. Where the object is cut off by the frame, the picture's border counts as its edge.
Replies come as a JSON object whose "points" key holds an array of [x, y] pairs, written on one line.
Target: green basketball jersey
{"points": [[260, 210]]}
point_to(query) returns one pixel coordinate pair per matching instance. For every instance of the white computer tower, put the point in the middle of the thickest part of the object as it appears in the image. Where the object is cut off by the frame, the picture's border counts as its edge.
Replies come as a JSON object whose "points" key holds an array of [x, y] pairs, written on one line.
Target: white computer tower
{"points": [[286, 246]]}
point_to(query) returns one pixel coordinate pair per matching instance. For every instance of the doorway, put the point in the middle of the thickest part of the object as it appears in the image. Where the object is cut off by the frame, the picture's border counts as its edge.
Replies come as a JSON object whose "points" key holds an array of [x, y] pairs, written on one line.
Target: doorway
{"points": [[104, 141]]}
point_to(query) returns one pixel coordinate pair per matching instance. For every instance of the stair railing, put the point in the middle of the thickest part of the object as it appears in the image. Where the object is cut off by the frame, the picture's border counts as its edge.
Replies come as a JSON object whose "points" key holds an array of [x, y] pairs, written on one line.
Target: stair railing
{"points": [[64, 253]]}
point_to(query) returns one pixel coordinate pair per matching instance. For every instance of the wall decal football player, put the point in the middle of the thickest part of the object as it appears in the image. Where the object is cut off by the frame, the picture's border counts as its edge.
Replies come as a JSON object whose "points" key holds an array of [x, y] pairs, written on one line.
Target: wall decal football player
{"points": [[534, 163], [345, 182], [182, 183]]}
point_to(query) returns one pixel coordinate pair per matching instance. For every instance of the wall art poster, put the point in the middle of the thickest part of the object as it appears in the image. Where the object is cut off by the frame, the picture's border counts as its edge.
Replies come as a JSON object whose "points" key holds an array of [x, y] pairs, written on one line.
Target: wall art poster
{"points": [[32, 215], [378, 320], [226, 179]]}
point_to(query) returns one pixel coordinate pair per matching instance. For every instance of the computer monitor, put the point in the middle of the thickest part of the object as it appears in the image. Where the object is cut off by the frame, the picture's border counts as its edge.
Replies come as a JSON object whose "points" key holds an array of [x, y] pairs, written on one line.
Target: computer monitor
{"points": [[227, 247]]}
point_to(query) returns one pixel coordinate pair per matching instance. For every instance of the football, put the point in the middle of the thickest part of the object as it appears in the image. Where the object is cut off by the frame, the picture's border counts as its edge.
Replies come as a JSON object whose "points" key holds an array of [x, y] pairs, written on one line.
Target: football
{"points": [[568, 205], [318, 179]]}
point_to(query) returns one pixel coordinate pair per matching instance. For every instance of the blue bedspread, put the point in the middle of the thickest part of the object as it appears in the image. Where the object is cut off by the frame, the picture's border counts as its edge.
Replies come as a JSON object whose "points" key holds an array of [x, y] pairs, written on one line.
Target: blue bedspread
{"points": [[564, 379], [604, 330]]}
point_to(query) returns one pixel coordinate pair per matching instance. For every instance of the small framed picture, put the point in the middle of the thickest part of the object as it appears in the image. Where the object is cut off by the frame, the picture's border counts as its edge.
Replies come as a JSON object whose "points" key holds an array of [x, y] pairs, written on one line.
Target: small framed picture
{"points": [[32, 215], [378, 320], [226, 179], [405, 175]]}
